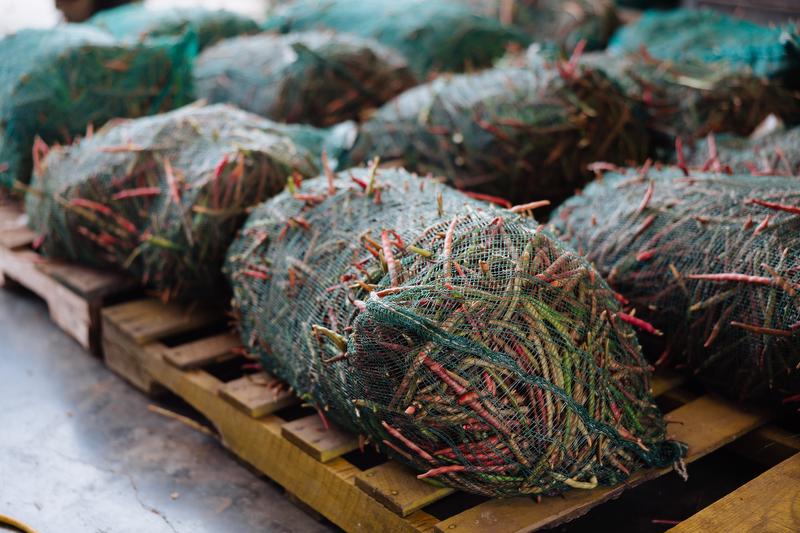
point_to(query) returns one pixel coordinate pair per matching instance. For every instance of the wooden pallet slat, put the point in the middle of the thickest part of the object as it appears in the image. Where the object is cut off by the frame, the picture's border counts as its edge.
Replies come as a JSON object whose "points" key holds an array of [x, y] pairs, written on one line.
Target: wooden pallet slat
{"points": [[214, 349], [129, 326], [666, 381], [320, 442], [17, 237], [770, 502], [257, 394], [398, 488], [146, 320]]}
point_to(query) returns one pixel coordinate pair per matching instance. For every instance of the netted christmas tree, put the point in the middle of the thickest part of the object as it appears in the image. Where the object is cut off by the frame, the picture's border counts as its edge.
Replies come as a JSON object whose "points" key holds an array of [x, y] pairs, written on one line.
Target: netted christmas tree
{"points": [[457, 337], [162, 197], [684, 98], [319, 78], [563, 24], [711, 260], [708, 36], [777, 153], [55, 83], [134, 21], [521, 134], [445, 35]]}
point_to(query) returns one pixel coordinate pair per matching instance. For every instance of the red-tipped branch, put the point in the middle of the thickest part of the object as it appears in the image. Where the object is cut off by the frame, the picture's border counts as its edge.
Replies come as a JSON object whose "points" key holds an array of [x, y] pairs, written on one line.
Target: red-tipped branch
{"points": [[442, 470], [762, 330], [795, 210], [733, 277], [523, 208], [409, 444], [638, 323], [135, 193], [681, 156], [488, 198], [648, 194]]}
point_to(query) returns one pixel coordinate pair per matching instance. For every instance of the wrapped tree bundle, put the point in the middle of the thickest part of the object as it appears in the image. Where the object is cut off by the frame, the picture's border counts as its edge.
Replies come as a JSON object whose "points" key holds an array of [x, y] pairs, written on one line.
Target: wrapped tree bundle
{"points": [[777, 153], [445, 35], [162, 197], [455, 336], [691, 99], [708, 36], [554, 21], [54, 83], [521, 134], [136, 21], [320, 78], [712, 260]]}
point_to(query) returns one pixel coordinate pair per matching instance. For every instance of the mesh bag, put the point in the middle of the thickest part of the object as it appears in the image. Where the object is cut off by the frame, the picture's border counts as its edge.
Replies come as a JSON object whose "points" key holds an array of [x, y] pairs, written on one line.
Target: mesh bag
{"points": [[455, 336], [53, 83], [320, 78], [136, 21], [712, 37], [556, 21], [712, 260], [777, 153], [433, 36], [693, 99], [520, 134], [161, 197]]}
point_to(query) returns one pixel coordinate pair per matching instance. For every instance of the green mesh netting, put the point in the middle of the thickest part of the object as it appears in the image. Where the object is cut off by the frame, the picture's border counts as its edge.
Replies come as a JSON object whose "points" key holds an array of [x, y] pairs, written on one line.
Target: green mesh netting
{"points": [[776, 153], [712, 260], [455, 336], [711, 36], [53, 83], [521, 134], [135, 21], [319, 78], [555, 21], [691, 99], [161, 197], [434, 36]]}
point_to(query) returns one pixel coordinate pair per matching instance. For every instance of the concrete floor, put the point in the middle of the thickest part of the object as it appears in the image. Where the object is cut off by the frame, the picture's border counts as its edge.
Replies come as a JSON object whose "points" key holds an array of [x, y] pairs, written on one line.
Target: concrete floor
{"points": [[80, 452]]}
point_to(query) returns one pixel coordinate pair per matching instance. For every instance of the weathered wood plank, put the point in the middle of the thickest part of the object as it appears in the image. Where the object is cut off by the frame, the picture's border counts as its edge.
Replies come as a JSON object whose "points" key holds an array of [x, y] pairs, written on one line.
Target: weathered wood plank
{"points": [[398, 488], [705, 424], [14, 231], [202, 352], [13, 239], [149, 319], [122, 356], [321, 443], [257, 394], [665, 381], [88, 282], [770, 502]]}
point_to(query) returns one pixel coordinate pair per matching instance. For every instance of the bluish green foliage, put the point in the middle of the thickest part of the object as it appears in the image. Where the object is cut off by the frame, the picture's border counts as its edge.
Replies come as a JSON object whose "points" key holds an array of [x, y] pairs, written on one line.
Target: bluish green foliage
{"points": [[433, 36], [134, 21], [711, 36], [56, 82]]}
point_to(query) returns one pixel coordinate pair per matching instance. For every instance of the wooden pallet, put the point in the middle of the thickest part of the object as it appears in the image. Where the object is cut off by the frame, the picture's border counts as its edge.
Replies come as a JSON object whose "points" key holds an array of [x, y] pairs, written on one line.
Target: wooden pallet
{"points": [[310, 463], [74, 294]]}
